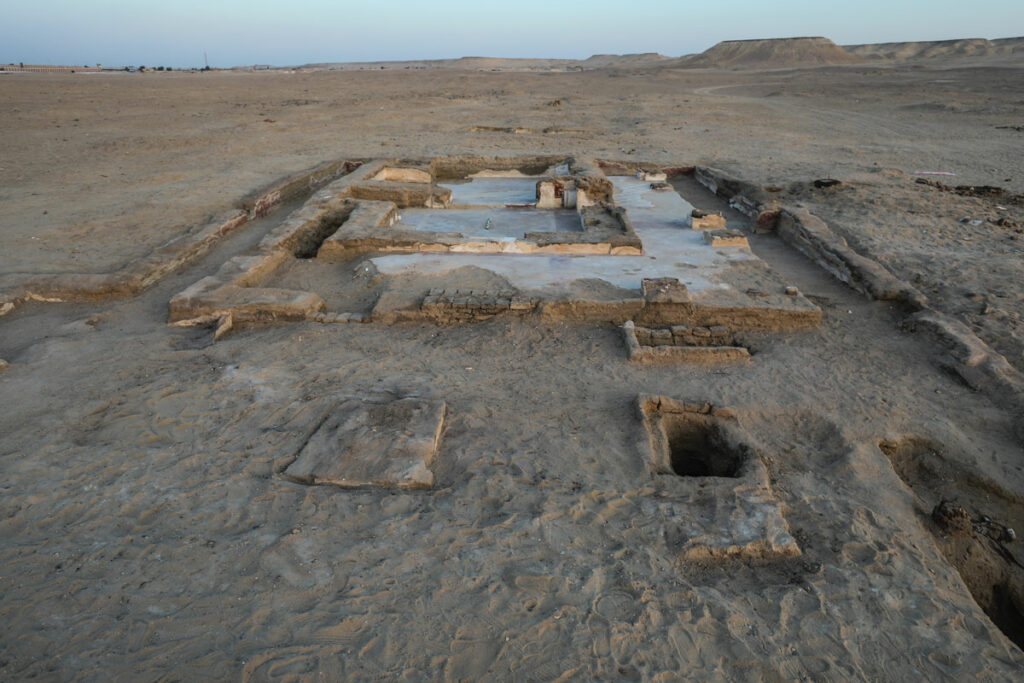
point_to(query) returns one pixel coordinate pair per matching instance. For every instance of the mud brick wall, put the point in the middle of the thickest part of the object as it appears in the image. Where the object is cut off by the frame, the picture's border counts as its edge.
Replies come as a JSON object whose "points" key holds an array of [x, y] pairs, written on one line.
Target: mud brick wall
{"points": [[685, 335], [455, 305]]}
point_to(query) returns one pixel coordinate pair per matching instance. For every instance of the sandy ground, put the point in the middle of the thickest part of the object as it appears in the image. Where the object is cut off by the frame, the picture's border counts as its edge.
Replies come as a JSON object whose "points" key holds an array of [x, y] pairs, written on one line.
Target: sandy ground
{"points": [[145, 533]]}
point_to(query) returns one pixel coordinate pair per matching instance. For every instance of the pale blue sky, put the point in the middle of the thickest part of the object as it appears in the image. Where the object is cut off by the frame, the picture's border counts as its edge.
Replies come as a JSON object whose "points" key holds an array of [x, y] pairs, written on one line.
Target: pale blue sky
{"points": [[234, 32]]}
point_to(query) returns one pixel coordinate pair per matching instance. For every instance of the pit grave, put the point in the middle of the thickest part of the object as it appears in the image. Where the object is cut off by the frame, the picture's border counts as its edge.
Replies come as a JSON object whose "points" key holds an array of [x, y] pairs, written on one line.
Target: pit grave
{"points": [[716, 499]]}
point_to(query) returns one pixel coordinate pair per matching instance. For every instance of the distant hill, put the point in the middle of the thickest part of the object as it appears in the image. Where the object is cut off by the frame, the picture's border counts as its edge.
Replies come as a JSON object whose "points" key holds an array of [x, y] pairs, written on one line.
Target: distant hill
{"points": [[771, 53], [639, 60], [501, 63], [939, 49]]}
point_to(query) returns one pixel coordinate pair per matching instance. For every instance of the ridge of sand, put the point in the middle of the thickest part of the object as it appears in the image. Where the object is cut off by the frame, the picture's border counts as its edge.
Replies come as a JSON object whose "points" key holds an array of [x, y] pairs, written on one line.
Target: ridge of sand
{"points": [[775, 52]]}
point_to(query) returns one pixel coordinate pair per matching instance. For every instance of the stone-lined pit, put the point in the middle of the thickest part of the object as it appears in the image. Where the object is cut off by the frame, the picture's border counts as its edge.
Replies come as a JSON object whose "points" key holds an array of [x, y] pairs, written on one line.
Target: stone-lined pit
{"points": [[718, 501], [696, 447]]}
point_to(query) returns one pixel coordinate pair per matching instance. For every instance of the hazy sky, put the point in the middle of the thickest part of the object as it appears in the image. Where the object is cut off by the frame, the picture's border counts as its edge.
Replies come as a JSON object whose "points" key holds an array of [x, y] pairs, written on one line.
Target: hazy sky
{"points": [[282, 32]]}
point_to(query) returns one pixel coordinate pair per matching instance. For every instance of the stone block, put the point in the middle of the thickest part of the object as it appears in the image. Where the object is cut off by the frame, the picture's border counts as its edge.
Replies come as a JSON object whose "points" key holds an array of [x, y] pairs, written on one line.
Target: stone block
{"points": [[366, 442], [726, 238], [404, 175], [661, 337], [706, 220], [651, 176], [402, 194]]}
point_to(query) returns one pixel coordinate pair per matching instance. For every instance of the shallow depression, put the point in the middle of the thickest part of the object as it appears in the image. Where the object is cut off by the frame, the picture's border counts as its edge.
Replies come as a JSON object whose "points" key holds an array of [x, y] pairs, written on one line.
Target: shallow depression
{"points": [[493, 191], [492, 223]]}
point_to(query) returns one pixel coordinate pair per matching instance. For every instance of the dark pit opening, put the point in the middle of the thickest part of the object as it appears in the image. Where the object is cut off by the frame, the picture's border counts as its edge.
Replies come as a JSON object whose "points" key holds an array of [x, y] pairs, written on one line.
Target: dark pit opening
{"points": [[1005, 613], [309, 241], [698, 448], [979, 547]]}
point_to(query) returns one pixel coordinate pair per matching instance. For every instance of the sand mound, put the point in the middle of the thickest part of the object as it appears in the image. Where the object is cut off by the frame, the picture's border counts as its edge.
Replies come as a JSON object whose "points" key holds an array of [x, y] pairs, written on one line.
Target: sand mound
{"points": [[778, 52], [939, 49]]}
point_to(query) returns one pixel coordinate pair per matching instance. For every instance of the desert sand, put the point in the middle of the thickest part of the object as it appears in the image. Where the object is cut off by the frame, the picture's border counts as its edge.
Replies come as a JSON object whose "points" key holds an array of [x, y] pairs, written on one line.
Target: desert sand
{"points": [[149, 530]]}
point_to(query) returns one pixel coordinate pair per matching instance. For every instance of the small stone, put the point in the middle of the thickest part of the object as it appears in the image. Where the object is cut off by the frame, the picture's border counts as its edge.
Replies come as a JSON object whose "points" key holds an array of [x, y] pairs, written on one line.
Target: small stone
{"points": [[706, 220], [226, 324], [4, 364], [792, 291]]}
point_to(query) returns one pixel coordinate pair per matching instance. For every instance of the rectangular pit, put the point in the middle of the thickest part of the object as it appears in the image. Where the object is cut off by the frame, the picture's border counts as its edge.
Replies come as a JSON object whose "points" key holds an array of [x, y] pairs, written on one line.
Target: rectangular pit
{"points": [[719, 502], [683, 343], [513, 223], [492, 191]]}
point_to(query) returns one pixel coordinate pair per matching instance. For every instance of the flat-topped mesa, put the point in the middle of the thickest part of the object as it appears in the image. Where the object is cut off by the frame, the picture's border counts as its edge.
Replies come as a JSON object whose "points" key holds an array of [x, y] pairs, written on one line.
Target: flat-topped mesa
{"points": [[963, 48], [772, 53]]}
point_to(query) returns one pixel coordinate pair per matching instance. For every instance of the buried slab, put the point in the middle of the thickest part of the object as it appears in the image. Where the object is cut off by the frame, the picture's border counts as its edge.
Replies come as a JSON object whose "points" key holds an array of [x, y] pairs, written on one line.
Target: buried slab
{"points": [[718, 502], [368, 442]]}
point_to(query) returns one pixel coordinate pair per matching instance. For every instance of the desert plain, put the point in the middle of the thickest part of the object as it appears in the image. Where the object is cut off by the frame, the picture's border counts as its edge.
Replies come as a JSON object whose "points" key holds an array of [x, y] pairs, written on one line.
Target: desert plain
{"points": [[148, 525]]}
